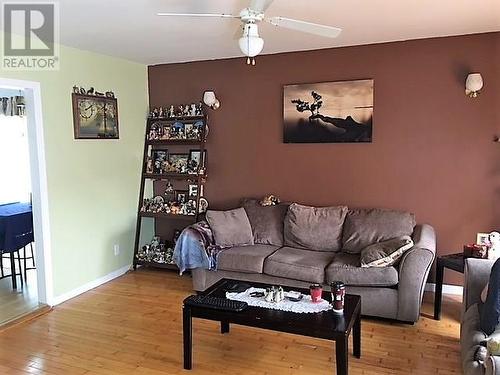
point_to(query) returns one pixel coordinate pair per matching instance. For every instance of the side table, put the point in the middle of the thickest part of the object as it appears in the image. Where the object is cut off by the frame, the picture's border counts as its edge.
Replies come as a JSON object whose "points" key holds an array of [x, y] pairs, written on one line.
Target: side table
{"points": [[454, 262]]}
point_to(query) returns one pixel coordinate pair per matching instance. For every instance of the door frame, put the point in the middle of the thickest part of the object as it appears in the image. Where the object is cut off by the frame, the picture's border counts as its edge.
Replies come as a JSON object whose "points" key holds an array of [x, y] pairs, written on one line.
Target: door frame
{"points": [[38, 170]]}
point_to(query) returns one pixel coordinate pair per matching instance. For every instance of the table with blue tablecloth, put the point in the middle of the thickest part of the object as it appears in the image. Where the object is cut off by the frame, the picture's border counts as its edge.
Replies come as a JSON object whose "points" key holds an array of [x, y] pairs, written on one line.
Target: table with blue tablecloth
{"points": [[16, 230]]}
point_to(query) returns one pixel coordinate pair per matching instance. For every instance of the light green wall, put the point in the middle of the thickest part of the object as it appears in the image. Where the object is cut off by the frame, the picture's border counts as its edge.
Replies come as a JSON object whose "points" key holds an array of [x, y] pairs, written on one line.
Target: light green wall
{"points": [[92, 184]]}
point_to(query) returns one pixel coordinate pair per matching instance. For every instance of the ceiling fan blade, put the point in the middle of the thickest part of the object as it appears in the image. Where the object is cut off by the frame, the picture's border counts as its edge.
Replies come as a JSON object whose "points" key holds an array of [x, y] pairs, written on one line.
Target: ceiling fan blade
{"points": [[307, 27], [260, 6], [214, 15]]}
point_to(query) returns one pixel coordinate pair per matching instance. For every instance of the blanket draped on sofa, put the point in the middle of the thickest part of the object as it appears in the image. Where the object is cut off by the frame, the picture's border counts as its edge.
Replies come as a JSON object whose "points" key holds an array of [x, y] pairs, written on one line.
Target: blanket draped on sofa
{"points": [[195, 248]]}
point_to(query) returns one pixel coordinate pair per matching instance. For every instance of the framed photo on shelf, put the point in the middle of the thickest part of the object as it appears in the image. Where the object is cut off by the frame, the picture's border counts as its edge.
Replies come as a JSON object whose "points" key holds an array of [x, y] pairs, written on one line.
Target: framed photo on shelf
{"points": [[156, 131], [177, 131], [95, 117], [196, 161], [181, 196], [179, 162], [160, 161], [483, 239]]}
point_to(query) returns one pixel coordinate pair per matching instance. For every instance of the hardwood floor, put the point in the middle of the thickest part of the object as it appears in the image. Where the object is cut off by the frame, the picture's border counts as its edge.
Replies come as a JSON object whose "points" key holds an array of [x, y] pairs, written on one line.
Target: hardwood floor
{"points": [[23, 300], [133, 325]]}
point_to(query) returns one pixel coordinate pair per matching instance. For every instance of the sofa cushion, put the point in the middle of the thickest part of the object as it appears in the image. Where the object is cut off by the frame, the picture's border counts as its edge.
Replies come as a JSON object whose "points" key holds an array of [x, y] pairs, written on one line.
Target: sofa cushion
{"points": [[347, 268], [230, 228], [266, 221], [385, 253], [363, 227], [249, 259], [314, 228], [298, 264]]}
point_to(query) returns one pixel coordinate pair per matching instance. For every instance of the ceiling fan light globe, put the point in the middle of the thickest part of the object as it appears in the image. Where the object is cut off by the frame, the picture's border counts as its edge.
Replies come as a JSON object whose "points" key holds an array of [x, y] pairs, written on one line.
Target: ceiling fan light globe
{"points": [[251, 46]]}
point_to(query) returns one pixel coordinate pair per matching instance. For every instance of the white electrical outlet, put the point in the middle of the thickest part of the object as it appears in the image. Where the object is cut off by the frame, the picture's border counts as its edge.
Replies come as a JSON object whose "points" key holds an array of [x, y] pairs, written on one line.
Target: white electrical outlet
{"points": [[116, 249]]}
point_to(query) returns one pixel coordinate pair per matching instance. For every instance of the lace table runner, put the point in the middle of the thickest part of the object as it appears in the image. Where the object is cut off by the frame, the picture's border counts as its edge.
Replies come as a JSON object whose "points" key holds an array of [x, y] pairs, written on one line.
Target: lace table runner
{"points": [[305, 305]]}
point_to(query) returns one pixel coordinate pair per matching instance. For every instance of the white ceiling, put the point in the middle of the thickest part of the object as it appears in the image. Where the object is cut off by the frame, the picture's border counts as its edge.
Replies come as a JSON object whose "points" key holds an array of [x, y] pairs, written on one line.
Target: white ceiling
{"points": [[131, 29]]}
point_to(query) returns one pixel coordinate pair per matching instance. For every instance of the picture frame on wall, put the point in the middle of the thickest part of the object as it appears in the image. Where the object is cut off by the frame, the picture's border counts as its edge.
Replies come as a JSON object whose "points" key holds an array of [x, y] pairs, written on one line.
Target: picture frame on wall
{"points": [[95, 117], [328, 112]]}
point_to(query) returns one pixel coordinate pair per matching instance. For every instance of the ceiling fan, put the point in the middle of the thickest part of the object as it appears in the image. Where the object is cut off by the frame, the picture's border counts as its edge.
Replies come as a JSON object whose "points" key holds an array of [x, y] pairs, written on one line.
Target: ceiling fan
{"points": [[250, 43]]}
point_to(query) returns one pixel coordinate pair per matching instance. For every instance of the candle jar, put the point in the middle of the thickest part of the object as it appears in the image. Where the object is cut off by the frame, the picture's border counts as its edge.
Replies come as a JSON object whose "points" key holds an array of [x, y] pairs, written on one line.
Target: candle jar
{"points": [[338, 295], [316, 291]]}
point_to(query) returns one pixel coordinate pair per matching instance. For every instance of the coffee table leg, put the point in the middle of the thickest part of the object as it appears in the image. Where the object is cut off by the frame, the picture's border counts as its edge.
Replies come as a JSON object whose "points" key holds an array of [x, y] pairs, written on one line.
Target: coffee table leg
{"points": [[341, 354], [224, 327], [188, 337], [438, 294], [356, 337]]}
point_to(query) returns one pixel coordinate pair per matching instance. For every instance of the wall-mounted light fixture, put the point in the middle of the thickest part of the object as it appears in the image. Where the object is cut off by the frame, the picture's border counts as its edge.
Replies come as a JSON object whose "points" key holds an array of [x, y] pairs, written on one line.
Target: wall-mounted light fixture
{"points": [[473, 84], [211, 100]]}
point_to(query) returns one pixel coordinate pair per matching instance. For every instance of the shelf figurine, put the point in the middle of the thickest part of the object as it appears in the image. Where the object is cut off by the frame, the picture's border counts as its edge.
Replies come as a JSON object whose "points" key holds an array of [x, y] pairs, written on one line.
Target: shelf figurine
{"points": [[171, 111], [180, 111], [193, 112], [169, 189], [199, 109]]}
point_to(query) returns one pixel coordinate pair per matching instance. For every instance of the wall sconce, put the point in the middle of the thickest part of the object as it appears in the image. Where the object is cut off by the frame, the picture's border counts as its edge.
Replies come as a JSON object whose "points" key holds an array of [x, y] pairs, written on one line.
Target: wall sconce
{"points": [[211, 100], [473, 84]]}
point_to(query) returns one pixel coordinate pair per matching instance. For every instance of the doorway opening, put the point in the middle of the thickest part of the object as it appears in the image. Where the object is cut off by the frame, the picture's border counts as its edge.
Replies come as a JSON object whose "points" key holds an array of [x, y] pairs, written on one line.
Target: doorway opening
{"points": [[25, 269]]}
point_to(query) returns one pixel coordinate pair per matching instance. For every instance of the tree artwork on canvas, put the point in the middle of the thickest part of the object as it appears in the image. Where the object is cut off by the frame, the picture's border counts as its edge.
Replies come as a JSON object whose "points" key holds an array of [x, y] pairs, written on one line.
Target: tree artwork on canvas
{"points": [[346, 112]]}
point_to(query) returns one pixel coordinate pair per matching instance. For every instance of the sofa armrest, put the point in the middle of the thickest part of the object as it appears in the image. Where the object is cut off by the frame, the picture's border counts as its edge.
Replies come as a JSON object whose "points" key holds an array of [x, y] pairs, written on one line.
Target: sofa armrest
{"points": [[493, 365], [413, 271], [476, 274], [424, 237]]}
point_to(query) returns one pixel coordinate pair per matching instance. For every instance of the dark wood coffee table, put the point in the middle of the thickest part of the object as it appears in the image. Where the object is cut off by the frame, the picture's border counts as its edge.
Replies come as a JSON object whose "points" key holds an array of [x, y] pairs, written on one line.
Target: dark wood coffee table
{"points": [[323, 325]]}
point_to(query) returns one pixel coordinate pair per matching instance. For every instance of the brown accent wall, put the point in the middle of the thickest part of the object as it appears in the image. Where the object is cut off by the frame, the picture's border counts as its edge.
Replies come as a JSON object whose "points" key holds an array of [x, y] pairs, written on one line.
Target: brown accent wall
{"points": [[432, 150]]}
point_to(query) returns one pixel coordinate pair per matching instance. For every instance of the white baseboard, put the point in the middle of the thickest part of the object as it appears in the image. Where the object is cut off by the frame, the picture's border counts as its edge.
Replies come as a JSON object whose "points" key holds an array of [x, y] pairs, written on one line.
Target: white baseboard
{"points": [[91, 285], [447, 289]]}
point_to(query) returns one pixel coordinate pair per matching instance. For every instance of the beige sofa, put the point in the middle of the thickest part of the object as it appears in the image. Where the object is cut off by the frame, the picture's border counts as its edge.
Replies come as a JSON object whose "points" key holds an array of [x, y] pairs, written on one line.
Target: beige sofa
{"points": [[393, 292]]}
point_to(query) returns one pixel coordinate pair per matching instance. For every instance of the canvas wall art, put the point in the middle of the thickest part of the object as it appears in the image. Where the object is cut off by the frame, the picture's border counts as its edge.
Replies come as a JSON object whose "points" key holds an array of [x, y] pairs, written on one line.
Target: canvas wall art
{"points": [[328, 112]]}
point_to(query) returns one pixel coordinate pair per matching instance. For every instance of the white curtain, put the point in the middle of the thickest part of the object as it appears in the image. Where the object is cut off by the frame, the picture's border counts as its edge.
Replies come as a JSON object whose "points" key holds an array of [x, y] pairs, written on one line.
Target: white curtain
{"points": [[15, 182]]}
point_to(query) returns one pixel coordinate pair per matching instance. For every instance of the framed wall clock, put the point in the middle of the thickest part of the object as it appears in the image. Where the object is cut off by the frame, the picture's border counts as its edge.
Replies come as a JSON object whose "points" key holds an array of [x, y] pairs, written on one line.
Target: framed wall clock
{"points": [[95, 117]]}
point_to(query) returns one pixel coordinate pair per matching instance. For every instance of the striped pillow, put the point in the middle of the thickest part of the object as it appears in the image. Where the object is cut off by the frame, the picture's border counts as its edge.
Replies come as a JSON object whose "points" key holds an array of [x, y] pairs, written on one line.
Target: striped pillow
{"points": [[386, 253]]}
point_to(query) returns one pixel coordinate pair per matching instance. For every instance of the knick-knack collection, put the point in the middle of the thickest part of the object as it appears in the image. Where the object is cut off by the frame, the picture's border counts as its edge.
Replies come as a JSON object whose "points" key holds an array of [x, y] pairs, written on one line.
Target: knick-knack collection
{"points": [[156, 251], [275, 294], [183, 110]]}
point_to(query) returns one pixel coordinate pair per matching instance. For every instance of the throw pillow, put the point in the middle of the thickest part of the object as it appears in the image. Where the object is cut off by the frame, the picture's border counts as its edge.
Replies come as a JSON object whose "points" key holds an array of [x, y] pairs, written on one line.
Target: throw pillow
{"points": [[385, 253], [314, 228], [364, 227], [266, 221], [230, 228]]}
